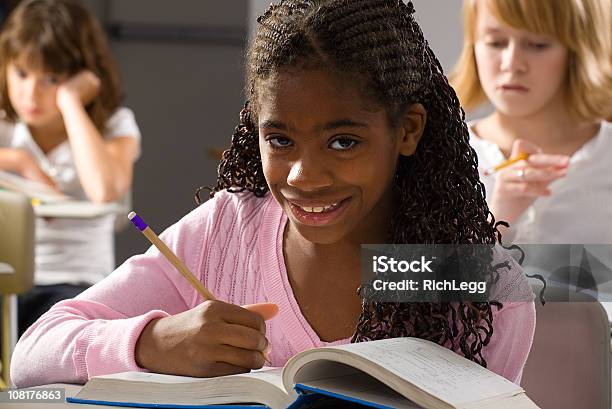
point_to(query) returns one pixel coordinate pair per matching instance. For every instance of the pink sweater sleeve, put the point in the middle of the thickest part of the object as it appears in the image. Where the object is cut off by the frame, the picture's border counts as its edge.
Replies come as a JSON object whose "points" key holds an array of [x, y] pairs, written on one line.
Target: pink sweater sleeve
{"points": [[513, 329], [96, 332], [513, 325]]}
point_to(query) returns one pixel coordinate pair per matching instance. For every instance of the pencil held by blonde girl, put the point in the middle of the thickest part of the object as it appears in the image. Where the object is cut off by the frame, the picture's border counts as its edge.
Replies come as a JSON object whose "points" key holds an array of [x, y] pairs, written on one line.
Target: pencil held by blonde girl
{"points": [[521, 156]]}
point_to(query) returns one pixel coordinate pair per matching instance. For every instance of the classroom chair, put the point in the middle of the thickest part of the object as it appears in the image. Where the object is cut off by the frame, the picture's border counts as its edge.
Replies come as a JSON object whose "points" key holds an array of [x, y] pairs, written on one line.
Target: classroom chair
{"points": [[16, 267], [569, 363]]}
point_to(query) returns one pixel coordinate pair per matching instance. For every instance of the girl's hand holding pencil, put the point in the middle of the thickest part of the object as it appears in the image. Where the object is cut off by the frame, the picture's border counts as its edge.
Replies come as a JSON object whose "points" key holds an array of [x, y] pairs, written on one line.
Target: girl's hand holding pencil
{"points": [[523, 178], [214, 338]]}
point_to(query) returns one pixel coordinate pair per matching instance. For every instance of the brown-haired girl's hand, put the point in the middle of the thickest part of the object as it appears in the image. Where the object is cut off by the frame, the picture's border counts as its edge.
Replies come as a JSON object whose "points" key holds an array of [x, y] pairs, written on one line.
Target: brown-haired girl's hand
{"points": [[29, 169], [520, 184], [82, 87], [214, 338]]}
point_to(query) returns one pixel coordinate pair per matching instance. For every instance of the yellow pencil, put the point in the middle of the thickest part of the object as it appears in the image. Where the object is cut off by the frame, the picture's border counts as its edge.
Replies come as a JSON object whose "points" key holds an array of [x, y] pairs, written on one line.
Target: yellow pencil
{"points": [[172, 258], [519, 157]]}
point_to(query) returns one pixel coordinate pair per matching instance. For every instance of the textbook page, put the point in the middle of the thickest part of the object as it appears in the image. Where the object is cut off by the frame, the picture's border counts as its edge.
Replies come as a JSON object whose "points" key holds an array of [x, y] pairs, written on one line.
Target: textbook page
{"points": [[271, 375], [129, 388], [431, 368]]}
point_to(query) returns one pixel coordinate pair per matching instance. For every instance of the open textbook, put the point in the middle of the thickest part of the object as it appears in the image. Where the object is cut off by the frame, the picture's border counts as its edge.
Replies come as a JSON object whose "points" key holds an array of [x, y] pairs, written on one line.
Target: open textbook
{"points": [[391, 373], [30, 188], [54, 203]]}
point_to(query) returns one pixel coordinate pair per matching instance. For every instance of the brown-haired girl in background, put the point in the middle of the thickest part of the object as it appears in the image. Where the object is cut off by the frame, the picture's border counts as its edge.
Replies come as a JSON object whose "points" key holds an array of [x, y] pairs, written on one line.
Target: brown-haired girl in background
{"points": [[63, 126]]}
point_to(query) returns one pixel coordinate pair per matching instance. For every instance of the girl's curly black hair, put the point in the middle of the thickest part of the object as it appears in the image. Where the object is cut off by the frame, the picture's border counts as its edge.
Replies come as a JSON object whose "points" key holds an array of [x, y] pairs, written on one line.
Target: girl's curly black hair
{"points": [[439, 196]]}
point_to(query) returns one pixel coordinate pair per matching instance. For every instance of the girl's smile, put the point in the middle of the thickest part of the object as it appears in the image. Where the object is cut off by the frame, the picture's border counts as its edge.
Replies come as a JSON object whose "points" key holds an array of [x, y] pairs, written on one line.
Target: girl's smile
{"points": [[329, 155], [318, 213]]}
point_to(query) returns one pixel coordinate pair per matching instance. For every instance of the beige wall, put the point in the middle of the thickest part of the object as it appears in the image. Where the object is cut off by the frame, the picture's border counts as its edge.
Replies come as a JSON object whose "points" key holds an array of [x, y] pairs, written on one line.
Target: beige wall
{"points": [[186, 94]]}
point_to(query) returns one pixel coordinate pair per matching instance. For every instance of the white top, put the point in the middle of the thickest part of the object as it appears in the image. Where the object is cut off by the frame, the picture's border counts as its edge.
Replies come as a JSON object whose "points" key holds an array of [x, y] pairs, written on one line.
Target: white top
{"points": [[579, 210], [75, 251]]}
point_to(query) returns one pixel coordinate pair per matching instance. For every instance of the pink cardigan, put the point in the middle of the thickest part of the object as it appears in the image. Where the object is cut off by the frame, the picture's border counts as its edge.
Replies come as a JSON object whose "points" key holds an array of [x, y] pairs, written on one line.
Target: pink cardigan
{"points": [[233, 243]]}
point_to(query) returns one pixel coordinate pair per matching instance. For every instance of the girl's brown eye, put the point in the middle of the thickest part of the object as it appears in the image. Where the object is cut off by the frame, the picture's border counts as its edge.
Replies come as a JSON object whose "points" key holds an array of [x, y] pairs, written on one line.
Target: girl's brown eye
{"points": [[343, 144], [279, 142], [52, 80]]}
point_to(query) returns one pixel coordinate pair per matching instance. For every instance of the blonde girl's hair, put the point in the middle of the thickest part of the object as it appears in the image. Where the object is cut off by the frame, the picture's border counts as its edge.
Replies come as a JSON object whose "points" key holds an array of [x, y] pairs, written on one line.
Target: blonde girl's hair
{"points": [[583, 26], [60, 36]]}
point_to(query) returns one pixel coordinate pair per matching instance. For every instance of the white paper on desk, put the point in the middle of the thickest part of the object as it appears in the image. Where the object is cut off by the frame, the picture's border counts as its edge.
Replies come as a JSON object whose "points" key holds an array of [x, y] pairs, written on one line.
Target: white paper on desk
{"points": [[30, 188], [77, 209], [6, 268]]}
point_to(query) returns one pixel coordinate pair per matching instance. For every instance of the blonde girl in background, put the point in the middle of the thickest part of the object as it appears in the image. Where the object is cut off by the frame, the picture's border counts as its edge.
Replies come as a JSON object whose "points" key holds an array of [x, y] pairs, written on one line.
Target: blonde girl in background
{"points": [[545, 66], [63, 126]]}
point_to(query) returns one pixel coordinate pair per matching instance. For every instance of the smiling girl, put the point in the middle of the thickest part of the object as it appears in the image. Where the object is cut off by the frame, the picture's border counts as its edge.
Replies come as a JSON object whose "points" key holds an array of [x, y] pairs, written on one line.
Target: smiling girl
{"points": [[351, 135], [63, 127], [545, 66]]}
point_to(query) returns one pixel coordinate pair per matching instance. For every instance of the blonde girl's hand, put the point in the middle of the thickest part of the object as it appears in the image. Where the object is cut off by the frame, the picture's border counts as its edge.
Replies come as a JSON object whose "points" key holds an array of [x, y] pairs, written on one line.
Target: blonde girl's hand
{"points": [[213, 339], [82, 88], [519, 185]]}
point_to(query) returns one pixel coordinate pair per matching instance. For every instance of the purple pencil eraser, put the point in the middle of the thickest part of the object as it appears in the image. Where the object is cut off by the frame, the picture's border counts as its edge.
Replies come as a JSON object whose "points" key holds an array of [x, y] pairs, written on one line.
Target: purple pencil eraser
{"points": [[137, 221]]}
